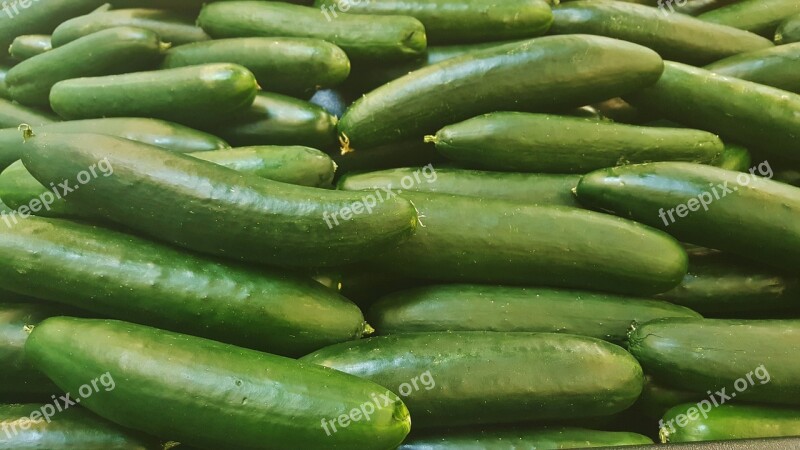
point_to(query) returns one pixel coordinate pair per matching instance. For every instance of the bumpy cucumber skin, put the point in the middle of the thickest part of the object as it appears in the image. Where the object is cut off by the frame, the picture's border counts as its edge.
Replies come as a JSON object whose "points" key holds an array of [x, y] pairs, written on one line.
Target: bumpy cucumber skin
{"points": [[574, 376], [734, 157], [523, 142], [117, 50], [177, 29], [758, 16], [676, 37], [529, 438], [12, 115], [710, 354], [496, 79], [764, 211], [210, 394], [188, 95], [789, 31], [729, 422], [41, 17], [252, 219], [29, 45], [776, 67], [372, 38], [292, 66]]}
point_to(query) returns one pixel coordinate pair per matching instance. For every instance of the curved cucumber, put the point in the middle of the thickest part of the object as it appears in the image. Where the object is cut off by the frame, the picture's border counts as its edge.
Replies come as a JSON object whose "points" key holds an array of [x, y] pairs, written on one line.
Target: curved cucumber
{"points": [[676, 37], [788, 31], [734, 157], [117, 50], [40, 17], [728, 422], [758, 16], [13, 115], [293, 66], [777, 67], [497, 308], [251, 218], [210, 394], [523, 142], [29, 45], [509, 373], [532, 438], [498, 78]]}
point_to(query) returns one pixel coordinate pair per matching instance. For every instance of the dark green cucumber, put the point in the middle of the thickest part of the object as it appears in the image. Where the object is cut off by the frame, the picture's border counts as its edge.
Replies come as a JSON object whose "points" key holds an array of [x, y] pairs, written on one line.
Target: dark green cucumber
{"points": [[712, 354], [458, 22], [676, 37], [29, 45], [478, 240], [252, 219], [734, 157], [214, 395], [117, 50], [126, 277], [197, 94], [363, 284], [470, 378], [495, 308], [660, 195], [28, 428], [389, 156], [758, 16], [14, 114], [656, 399], [757, 116], [789, 177], [3, 88], [498, 78], [293, 66], [529, 438], [523, 142], [275, 119], [362, 37], [39, 17], [537, 189], [777, 67], [175, 28], [728, 422], [788, 31]]}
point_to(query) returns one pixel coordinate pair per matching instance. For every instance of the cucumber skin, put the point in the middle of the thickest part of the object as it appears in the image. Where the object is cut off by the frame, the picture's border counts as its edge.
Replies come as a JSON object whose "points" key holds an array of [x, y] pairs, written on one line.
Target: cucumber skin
{"points": [[709, 354], [200, 194], [734, 157], [3, 88], [41, 18], [728, 422], [29, 45], [524, 438], [603, 379], [789, 31], [524, 142], [12, 115], [758, 16], [762, 208], [126, 277], [117, 50], [776, 67], [490, 80], [676, 37], [697, 7]]}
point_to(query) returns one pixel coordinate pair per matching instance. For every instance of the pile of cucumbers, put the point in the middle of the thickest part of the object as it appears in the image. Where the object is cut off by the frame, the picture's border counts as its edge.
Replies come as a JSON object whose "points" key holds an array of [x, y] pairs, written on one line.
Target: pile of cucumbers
{"points": [[398, 224]]}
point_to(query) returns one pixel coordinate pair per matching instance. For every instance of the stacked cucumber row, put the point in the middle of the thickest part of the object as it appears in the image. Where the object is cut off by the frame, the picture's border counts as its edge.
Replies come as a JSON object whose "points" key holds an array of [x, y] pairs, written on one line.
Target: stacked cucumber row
{"points": [[398, 224]]}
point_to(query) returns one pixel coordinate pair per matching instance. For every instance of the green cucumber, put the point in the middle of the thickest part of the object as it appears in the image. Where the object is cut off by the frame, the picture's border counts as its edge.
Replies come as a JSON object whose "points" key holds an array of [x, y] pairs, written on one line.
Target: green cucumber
{"points": [[788, 31], [18, 188], [531, 188], [389, 156], [292, 66], [252, 219], [496, 308], [214, 395], [177, 29], [362, 37], [458, 22], [363, 284], [29, 45], [197, 94], [498, 78], [757, 116], [13, 114], [712, 354], [333, 101], [524, 142], [37, 17], [117, 50], [529, 438], [789, 177], [676, 37], [697, 7], [777, 67], [705, 201], [656, 399], [758, 16], [4, 94], [728, 422], [470, 378], [478, 240], [618, 110], [123, 276], [734, 157]]}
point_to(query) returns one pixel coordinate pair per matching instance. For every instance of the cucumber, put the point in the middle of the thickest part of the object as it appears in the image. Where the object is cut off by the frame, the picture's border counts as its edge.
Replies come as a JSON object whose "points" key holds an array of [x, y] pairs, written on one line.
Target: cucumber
{"points": [[67, 429], [697, 7], [214, 395], [757, 116], [121, 276], [728, 422], [734, 157], [523, 142], [496, 308], [457, 22], [117, 50], [18, 188], [547, 245], [388, 156], [292, 66], [498, 78], [758, 16], [275, 119], [333, 101], [362, 37], [618, 110], [512, 377], [789, 177], [20, 18], [788, 31], [29, 45], [776, 67], [197, 94], [537, 189], [530, 438], [363, 284], [175, 28], [251, 218], [14, 114], [763, 210], [676, 37], [3, 88], [711, 354], [657, 399]]}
